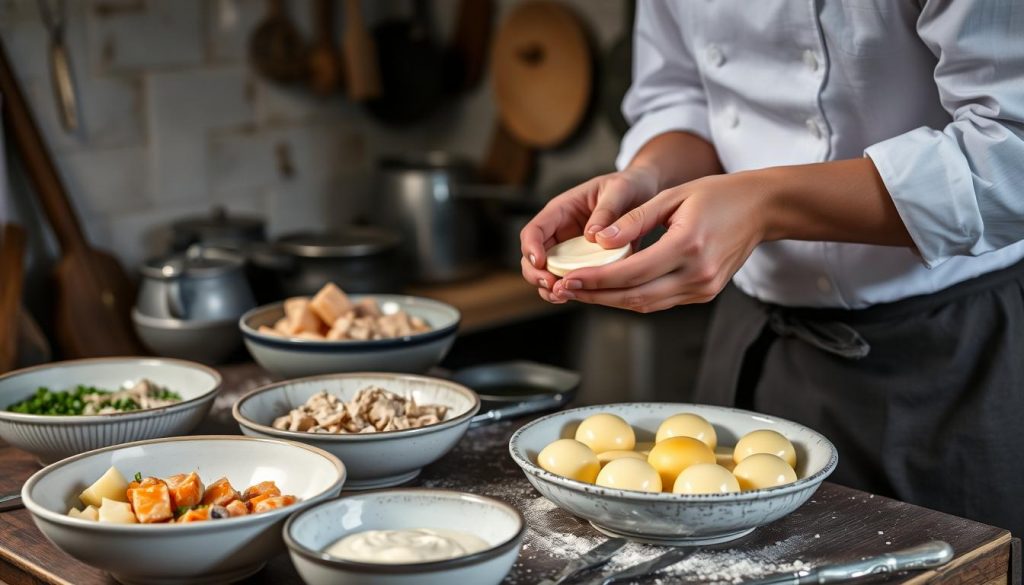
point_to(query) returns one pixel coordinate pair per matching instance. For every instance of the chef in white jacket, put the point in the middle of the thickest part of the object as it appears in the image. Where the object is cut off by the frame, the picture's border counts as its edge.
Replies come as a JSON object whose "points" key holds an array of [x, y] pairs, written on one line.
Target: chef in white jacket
{"points": [[856, 169]]}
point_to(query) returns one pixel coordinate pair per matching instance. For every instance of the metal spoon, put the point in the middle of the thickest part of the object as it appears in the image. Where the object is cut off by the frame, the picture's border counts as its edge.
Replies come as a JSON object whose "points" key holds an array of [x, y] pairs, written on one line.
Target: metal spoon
{"points": [[593, 558], [645, 568], [11, 502]]}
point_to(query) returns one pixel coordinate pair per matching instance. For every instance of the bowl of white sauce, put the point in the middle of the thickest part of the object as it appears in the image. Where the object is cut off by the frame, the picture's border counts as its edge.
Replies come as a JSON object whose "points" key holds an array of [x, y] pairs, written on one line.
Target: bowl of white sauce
{"points": [[405, 536]]}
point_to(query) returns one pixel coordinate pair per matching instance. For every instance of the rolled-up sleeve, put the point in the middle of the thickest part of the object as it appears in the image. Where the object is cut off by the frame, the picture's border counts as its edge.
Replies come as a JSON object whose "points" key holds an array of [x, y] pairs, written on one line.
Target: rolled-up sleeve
{"points": [[960, 190], [667, 93]]}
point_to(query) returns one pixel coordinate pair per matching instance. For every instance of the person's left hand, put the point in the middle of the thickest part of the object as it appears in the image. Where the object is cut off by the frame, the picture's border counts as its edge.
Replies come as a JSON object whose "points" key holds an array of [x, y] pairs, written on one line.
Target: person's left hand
{"points": [[713, 224]]}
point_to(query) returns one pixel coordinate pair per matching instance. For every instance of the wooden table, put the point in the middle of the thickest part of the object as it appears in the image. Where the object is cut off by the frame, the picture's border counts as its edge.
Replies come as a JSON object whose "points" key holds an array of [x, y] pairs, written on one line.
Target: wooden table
{"points": [[837, 524]]}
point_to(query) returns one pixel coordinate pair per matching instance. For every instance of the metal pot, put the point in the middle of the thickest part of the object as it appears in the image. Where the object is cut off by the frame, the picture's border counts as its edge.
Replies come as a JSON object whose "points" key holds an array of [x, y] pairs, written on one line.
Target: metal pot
{"points": [[426, 198], [204, 284], [358, 259], [217, 229]]}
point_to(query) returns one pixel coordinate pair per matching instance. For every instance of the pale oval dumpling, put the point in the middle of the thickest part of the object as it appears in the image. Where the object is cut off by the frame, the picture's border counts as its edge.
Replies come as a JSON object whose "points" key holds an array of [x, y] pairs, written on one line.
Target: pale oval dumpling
{"points": [[687, 425], [580, 252], [765, 441], [570, 458], [671, 456], [606, 456], [606, 432], [763, 470], [630, 474], [706, 478]]}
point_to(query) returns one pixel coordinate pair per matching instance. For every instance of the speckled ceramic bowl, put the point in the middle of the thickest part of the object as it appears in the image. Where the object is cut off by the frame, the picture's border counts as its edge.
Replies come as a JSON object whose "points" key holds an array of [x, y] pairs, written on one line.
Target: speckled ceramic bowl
{"points": [[373, 460], [675, 519], [50, 437], [414, 354], [200, 553], [500, 525]]}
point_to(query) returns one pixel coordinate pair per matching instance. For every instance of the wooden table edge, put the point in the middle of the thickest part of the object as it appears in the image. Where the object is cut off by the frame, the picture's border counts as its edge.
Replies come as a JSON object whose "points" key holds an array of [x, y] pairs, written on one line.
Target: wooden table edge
{"points": [[1004, 539], [31, 569]]}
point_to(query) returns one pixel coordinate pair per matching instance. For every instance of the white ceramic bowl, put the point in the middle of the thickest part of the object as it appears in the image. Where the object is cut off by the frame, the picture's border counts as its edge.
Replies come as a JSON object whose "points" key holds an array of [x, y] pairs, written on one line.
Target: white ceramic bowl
{"points": [[373, 460], [216, 551], [500, 525], [675, 519], [210, 342], [54, 437], [414, 354]]}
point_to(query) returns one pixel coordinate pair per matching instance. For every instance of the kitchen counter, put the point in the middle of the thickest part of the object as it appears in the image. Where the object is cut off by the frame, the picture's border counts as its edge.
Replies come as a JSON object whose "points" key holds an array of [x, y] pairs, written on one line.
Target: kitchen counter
{"points": [[837, 524]]}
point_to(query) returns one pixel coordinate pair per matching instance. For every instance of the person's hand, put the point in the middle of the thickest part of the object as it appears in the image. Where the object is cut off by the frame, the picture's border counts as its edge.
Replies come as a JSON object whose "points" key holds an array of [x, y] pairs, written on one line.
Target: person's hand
{"points": [[713, 224], [586, 209]]}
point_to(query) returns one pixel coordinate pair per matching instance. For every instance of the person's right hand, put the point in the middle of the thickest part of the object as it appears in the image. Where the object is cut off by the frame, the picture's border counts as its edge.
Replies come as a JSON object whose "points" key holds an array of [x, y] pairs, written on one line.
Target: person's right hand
{"points": [[585, 209]]}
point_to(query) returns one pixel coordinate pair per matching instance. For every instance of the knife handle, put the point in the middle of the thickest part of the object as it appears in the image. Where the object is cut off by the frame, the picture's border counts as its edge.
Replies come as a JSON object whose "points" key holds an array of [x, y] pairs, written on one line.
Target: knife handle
{"points": [[930, 554]]}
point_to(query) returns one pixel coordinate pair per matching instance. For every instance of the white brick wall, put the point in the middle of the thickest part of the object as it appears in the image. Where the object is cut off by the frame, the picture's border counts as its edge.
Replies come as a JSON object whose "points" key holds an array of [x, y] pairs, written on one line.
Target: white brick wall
{"points": [[174, 120]]}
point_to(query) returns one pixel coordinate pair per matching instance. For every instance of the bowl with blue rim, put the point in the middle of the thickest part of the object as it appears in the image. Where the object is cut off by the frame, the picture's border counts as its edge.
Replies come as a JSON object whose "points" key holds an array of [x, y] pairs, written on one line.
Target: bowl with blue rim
{"points": [[292, 357]]}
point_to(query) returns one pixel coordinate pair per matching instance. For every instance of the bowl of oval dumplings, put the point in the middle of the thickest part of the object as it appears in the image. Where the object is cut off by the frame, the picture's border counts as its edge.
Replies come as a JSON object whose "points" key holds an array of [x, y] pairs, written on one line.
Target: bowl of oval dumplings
{"points": [[673, 474]]}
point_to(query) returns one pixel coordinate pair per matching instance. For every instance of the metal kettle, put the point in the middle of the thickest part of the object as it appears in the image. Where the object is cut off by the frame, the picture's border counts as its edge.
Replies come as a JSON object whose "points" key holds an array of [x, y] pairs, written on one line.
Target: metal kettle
{"points": [[203, 284]]}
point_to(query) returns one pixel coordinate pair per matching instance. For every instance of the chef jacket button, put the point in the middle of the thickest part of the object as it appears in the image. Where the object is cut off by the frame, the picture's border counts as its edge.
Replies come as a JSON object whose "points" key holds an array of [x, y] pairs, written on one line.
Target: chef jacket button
{"points": [[714, 56], [810, 60], [824, 284], [814, 128]]}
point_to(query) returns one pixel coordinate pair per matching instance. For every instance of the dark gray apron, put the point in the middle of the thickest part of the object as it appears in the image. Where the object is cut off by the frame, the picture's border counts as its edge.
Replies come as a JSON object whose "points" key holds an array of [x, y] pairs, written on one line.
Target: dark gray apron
{"points": [[923, 397]]}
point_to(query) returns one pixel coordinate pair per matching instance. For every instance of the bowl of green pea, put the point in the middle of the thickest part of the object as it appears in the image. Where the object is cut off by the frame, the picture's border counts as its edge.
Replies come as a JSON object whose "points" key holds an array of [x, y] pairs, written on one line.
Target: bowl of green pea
{"points": [[64, 408]]}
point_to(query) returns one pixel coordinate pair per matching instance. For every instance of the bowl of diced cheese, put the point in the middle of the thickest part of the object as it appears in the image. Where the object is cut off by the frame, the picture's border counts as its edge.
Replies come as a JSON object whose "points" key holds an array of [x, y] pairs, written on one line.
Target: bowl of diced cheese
{"points": [[334, 332]]}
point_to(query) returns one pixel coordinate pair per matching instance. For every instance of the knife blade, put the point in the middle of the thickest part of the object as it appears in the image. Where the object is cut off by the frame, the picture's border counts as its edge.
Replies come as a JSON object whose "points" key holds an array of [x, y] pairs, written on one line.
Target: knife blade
{"points": [[593, 558], [924, 556], [645, 568]]}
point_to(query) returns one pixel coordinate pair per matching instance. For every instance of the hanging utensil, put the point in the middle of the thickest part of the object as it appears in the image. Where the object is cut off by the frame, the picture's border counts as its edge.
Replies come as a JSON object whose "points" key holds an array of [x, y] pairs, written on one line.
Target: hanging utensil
{"points": [[277, 49], [360, 55], [12, 263], [925, 556], [324, 60], [468, 51], [60, 64], [412, 68], [94, 295]]}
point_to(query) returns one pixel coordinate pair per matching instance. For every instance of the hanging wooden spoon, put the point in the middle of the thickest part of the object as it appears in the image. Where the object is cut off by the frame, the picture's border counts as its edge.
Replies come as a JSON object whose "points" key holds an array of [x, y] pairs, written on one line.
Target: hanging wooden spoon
{"points": [[324, 61], [277, 49]]}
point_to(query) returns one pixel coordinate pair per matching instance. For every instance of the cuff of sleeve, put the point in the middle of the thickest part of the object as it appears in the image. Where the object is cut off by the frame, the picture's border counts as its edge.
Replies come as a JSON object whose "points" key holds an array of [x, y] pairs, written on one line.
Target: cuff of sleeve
{"points": [[931, 186], [684, 117]]}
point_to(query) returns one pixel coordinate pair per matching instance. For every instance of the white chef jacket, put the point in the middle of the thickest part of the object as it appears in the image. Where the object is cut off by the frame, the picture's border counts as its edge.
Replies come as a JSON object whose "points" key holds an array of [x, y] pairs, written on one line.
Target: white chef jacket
{"points": [[931, 90]]}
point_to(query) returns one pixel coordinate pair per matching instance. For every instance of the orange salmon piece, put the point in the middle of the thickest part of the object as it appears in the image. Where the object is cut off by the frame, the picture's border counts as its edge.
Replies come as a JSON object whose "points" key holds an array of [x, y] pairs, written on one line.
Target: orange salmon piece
{"points": [[195, 515], [272, 503], [186, 490], [237, 508], [263, 488], [151, 501], [220, 493]]}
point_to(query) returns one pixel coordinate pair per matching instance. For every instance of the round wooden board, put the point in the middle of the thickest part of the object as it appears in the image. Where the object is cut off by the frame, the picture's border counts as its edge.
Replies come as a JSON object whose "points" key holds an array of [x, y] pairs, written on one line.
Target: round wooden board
{"points": [[543, 73]]}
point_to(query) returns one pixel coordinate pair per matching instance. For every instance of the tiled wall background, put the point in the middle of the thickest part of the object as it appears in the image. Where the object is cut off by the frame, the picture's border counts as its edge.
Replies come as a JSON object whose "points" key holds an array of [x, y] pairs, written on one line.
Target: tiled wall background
{"points": [[174, 121]]}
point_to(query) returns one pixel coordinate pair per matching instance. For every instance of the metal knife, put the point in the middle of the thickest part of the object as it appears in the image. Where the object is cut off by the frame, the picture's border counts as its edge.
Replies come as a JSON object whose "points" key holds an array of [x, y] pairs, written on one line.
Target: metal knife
{"points": [[645, 568], [10, 502], [593, 558], [925, 556]]}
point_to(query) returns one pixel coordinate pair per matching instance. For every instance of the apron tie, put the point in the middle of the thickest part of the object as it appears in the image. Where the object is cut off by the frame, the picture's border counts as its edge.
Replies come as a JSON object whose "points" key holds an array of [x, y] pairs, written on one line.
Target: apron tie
{"points": [[834, 337]]}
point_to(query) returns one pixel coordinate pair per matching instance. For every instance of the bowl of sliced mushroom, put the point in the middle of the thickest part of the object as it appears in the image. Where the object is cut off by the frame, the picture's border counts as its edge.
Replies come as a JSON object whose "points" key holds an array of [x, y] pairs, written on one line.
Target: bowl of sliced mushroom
{"points": [[335, 332], [385, 427]]}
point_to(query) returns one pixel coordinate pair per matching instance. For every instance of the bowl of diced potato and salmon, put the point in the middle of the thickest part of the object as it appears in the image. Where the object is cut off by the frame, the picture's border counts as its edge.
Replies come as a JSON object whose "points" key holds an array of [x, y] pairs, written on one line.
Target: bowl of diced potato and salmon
{"points": [[333, 332], [197, 510]]}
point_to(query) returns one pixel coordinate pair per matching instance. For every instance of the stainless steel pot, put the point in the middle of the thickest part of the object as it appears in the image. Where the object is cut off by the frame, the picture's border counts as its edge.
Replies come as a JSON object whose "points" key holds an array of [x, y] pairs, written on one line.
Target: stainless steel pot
{"points": [[426, 197], [358, 259], [217, 229]]}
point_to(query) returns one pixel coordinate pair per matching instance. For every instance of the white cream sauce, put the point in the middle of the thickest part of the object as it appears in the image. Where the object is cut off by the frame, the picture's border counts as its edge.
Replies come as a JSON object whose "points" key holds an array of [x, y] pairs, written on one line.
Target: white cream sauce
{"points": [[411, 545]]}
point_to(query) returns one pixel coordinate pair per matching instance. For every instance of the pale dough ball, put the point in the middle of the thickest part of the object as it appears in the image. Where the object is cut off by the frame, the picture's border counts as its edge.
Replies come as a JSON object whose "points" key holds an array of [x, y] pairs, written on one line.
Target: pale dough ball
{"points": [[763, 470], [580, 252], [765, 441], [630, 474], [671, 456], [606, 456], [570, 458], [705, 478], [606, 432], [687, 425]]}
